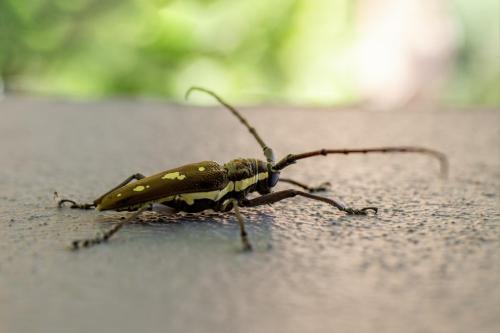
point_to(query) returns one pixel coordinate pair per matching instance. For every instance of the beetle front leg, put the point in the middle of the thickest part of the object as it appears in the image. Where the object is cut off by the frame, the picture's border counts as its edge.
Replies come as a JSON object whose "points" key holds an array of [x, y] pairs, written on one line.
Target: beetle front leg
{"points": [[74, 205], [320, 188], [281, 195]]}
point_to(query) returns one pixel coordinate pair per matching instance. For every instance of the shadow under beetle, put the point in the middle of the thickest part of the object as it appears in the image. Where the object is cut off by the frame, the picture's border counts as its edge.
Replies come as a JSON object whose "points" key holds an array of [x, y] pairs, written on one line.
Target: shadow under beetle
{"points": [[222, 188]]}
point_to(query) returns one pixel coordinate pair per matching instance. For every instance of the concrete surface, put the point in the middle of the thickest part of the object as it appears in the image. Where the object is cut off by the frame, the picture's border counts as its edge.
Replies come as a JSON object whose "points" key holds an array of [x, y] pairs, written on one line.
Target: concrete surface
{"points": [[429, 262]]}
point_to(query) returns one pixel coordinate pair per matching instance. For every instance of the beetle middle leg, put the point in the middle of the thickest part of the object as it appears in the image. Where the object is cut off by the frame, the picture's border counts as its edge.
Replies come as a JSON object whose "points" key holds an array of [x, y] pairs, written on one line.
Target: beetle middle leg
{"points": [[281, 195], [233, 204], [311, 189], [77, 244], [244, 236], [74, 205]]}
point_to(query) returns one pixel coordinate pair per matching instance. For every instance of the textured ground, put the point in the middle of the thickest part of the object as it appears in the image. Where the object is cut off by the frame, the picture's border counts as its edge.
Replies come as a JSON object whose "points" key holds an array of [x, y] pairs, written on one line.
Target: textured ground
{"points": [[428, 262]]}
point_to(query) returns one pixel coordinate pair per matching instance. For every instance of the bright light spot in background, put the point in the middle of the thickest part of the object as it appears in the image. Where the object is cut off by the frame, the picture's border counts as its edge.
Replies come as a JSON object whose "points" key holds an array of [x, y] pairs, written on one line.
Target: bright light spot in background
{"points": [[405, 51], [387, 53]]}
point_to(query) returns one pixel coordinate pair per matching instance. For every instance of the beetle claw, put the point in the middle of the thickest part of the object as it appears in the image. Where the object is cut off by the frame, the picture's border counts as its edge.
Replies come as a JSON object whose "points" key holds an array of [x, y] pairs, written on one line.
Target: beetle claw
{"points": [[374, 209], [75, 245], [63, 201], [74, 205], [247, 247], [363, 211]]}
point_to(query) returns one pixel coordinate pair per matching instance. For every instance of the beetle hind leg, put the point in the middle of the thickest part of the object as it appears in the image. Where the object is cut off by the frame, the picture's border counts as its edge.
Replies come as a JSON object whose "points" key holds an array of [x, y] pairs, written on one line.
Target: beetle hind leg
{"points": [[74, 204], [104, 237]]}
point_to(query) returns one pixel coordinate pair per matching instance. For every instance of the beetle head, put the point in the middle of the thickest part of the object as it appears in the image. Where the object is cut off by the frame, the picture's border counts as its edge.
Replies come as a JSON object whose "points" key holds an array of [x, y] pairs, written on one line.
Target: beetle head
{"points": [[273, 176]]}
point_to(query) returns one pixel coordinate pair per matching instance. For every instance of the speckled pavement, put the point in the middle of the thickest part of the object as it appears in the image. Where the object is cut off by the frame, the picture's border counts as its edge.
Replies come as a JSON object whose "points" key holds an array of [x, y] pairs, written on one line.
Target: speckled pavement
{"points": [[428, 262]]}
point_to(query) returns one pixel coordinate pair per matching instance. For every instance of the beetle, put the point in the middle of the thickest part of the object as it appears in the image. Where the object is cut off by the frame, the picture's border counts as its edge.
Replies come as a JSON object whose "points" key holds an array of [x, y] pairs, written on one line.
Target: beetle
{"points": [[223, 187]]}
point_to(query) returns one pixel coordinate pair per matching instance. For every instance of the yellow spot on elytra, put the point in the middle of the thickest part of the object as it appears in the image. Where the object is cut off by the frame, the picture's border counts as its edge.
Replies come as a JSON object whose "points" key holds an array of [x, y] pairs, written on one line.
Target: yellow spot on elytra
{"points": [[139, 188], [147, 186], [201, 168], [118, 195], [173, 175]]}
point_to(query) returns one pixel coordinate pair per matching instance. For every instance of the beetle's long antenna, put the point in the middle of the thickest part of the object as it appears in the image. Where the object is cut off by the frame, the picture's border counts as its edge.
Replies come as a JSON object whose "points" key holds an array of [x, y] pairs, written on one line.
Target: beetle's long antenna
{"points": [[268, 152], [292, 158]]}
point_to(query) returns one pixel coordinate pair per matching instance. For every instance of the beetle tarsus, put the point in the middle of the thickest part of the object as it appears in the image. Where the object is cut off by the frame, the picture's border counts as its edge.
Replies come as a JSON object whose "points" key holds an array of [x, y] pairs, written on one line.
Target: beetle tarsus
{"points": [[83, 206], [74, 205], [86, 243], [323, 187], [320, 188], [362, 211], [247, 246], [104, 237], [375, 209]]}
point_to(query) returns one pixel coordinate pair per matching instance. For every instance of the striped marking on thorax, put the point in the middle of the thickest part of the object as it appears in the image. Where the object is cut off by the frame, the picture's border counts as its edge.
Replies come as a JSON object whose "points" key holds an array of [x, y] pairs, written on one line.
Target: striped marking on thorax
{"points": [[241, 185]]}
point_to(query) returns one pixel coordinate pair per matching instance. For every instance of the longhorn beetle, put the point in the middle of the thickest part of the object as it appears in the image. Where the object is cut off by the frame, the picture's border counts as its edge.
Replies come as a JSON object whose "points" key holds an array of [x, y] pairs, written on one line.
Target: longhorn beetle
{"points": [[208, 185]]}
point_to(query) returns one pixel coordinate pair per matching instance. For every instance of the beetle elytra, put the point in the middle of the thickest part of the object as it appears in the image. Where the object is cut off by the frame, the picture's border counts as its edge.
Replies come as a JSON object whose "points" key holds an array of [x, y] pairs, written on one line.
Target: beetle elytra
{"points": [[222, 187]]}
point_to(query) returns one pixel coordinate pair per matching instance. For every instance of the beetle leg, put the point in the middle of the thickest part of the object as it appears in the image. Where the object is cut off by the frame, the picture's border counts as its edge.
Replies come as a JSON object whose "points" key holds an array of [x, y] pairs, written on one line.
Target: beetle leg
{"points": [[278, 196], [77, 244], [75, 205], [247, 246], [320, 188]]}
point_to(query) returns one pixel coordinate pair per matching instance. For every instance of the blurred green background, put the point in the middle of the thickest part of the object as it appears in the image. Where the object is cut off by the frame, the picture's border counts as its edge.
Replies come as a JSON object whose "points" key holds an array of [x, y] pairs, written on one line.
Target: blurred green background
{"points": [[337, 52]]}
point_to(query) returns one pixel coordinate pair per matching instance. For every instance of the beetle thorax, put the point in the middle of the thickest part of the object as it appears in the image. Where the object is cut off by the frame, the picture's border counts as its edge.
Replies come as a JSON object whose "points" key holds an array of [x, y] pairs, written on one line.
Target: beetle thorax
{"points": [[251, 174], [239, 169]]}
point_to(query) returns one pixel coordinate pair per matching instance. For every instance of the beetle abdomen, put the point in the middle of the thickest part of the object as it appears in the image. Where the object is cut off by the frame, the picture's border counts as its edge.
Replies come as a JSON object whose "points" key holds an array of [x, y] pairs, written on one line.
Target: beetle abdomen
{"points": [[202, 177]]}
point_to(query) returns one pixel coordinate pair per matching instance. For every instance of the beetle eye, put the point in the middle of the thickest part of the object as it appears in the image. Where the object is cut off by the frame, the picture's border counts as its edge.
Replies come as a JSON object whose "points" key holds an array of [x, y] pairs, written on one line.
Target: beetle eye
{"points": [[273, 178]]}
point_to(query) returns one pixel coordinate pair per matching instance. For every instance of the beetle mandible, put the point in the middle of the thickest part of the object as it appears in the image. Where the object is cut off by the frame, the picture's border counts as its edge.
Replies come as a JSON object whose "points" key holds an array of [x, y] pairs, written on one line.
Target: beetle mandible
{"points": [[208, 185]]}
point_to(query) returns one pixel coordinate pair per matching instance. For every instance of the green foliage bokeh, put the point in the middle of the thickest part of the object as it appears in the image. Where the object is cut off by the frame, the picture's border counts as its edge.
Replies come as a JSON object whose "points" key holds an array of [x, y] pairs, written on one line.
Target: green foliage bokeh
{"points": [[273, 51]]}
